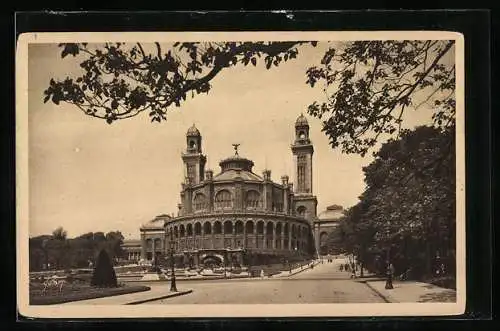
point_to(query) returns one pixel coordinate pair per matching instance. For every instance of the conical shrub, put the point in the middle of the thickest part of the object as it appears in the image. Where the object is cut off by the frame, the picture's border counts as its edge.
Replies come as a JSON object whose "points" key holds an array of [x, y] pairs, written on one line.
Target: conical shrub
{"points": [[104, 274]]}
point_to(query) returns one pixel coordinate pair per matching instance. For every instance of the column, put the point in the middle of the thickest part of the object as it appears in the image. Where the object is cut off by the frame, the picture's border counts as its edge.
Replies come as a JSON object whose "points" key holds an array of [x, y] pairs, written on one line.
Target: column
{"points": [[274, 236], [212, 235], [284, 180], [282, 236], [317, 241], [265, 236], [245, 234], [143, 247], [154, 250], [196, 260], [264, 195], [195, 237], [233, 240]]}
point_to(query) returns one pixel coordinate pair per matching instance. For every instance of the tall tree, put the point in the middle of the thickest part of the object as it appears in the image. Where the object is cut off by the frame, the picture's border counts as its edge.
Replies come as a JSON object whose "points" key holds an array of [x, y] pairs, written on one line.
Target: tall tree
{"points": [[408, 208]]}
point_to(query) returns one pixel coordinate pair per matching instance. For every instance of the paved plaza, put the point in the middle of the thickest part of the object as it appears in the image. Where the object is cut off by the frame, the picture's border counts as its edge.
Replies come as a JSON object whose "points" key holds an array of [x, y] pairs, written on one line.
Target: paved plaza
{"points": [[325, 283]]}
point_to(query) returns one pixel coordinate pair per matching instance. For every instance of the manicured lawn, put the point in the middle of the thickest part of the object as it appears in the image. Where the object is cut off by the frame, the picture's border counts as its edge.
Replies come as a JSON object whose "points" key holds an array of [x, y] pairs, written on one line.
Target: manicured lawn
{"points": [[76, 292]]}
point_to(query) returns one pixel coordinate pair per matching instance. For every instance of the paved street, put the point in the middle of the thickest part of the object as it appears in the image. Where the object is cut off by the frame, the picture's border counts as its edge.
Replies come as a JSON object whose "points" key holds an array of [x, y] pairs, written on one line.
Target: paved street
{"points": [[323, 284]]}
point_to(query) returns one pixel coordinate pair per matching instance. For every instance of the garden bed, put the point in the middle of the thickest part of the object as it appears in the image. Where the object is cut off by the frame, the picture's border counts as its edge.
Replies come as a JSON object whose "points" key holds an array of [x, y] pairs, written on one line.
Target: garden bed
{"points": [[77, 292]]}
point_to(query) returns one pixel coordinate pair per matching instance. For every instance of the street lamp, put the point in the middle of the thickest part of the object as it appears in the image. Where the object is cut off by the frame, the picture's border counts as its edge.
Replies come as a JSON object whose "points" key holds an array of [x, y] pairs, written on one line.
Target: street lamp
{"points": [[388, 282], [225, 264], [173, 286]]}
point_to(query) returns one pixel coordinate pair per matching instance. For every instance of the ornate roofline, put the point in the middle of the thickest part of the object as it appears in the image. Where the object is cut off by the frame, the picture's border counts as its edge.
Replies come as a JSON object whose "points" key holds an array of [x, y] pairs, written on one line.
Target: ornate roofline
{"points": [[236, 214], [225, 181]]}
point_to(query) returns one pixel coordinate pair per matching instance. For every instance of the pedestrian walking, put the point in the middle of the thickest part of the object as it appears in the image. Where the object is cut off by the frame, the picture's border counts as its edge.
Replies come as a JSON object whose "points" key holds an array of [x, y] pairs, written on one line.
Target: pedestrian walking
{"points": [[390, 274], [341, 267], [262, 273]]}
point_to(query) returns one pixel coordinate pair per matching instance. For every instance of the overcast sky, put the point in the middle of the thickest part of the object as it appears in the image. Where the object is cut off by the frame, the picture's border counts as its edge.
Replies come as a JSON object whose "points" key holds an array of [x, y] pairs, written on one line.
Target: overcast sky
{"points": [[86, 175]]}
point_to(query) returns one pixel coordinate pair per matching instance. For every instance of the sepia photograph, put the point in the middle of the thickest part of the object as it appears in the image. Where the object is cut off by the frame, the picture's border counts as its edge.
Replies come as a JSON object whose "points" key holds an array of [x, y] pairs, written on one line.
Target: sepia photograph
{"points": [[240, 174]]}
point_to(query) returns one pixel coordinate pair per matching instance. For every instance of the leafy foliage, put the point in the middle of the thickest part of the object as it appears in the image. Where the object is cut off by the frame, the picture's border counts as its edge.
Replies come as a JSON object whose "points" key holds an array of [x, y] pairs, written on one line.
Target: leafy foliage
{"points": [[122, 80], [72, 252], [104, 274], [59, 233], [408, 207], [369, 85]]}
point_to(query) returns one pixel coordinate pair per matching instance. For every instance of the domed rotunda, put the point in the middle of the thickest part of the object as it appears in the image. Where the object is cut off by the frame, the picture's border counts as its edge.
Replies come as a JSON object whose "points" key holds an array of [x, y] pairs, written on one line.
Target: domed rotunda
{"points": [[235, 216]]}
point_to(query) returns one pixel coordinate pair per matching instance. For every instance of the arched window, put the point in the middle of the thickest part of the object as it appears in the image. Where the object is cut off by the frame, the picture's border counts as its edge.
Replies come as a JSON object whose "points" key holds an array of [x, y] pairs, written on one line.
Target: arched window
{"points": [[301, 211], [269, 229], [304, 232], [176, 232], [252, 199], [287, 230], [228, 227], [207, 228], [323, 238], [182, 230], [249, 227], [189, 229], [223, 199], [200, 201], [217, 227], [197, 228], [260, 227], [279, 229], [238, 227]]}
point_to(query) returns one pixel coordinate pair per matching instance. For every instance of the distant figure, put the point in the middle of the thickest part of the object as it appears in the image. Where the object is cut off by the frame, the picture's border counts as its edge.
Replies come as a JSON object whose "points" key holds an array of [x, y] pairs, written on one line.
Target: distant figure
{"points": [[262, 273], [390, 274], [341, 267]]}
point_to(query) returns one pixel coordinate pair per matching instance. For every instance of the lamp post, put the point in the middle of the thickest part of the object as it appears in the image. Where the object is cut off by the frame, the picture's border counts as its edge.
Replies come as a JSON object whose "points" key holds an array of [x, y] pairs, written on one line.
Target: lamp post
{"points": [[225, 264], [388, 282], [173, 286]]}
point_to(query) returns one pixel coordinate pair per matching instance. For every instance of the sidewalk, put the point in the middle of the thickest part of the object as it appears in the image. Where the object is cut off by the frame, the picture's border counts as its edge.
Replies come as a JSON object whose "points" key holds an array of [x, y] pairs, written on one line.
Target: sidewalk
{"points": [[410, 291], [156, 293]]}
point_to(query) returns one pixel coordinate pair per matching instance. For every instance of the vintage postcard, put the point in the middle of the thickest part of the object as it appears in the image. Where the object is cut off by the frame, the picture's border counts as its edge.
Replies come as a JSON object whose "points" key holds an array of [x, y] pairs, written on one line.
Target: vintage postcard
{"points": [[240, 174]]}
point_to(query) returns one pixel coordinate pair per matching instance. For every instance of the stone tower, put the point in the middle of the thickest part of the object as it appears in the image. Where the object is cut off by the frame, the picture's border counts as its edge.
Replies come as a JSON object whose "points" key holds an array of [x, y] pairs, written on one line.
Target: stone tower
{"points": [[194, 160], [305, 202]]}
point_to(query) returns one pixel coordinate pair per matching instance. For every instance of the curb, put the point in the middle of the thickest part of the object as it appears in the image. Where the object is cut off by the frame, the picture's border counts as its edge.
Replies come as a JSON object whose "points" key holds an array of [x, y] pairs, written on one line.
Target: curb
{"points": [[184, 279], [170, 295], [383, 297]]}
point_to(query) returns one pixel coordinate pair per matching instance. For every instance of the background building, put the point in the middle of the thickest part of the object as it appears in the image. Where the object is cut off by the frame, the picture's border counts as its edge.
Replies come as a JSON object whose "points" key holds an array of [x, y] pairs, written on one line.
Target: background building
{"points": [[327, 221]]}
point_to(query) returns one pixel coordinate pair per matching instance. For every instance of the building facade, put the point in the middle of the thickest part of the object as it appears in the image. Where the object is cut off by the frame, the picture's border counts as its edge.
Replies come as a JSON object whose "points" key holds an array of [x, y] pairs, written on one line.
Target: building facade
{"points": [[236, 215], [327, 221], [132, 250]]}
